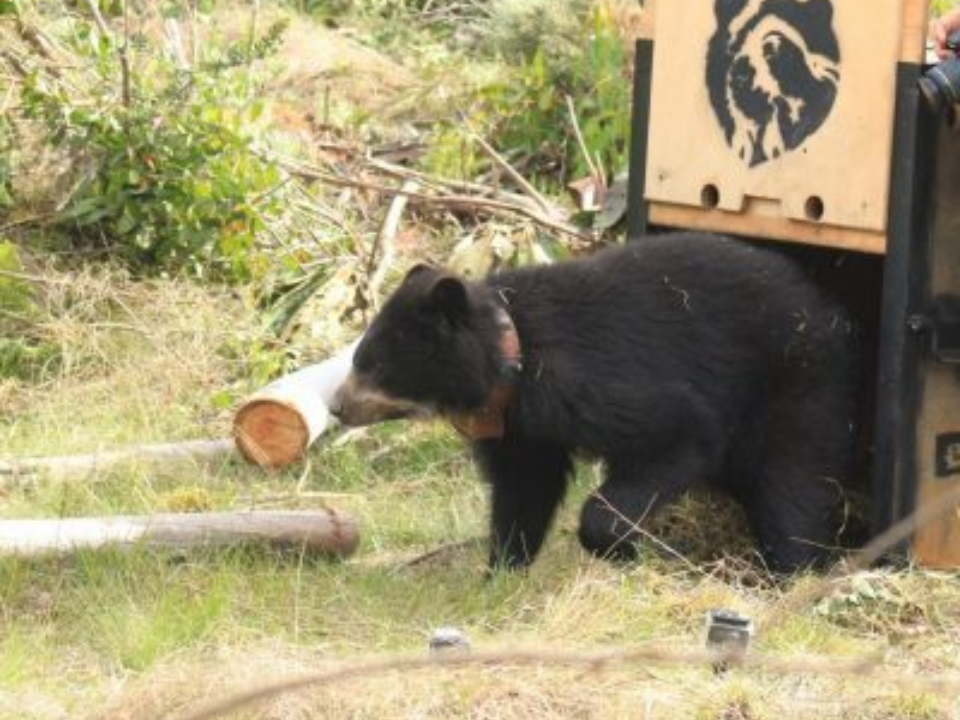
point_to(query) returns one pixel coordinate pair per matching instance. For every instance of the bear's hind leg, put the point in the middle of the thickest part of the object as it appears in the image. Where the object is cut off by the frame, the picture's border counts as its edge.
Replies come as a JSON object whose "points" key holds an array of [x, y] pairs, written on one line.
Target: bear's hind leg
{"points": [[790, 469], [528, 480], [794, 519]]}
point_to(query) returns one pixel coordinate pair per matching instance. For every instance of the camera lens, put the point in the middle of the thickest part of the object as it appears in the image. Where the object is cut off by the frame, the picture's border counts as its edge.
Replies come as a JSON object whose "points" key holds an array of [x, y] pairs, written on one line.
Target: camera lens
{"points": [[940, 85]]}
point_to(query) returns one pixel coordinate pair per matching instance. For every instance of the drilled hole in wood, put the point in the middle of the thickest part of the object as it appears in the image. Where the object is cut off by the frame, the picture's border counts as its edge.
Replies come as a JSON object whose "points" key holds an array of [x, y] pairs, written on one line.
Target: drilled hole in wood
{"points": [[710, 196], [814, 208]]}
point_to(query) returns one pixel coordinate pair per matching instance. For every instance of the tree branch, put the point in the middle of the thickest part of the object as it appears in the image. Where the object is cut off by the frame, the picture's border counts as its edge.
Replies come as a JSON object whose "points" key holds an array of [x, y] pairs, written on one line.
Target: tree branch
{"points": [[451, 202]]}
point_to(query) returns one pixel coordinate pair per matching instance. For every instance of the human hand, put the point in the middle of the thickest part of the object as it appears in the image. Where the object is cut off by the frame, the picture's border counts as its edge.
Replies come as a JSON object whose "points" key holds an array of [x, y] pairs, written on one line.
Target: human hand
{"points": [[940, 29]]}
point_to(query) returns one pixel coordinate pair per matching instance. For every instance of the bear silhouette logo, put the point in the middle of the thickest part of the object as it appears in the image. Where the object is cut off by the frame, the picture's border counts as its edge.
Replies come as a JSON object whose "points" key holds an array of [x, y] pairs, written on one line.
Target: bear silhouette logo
{"points": [[773, 68]]}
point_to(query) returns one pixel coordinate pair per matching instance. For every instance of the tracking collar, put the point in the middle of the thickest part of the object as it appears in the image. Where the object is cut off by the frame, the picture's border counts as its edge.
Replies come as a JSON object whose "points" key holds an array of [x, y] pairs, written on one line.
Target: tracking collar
{"points": [[488, 422]]}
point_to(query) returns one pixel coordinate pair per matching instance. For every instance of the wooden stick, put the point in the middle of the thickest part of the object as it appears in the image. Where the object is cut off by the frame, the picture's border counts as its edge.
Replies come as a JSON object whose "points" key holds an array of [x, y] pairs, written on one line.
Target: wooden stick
{"points": [[126, 73], [581, 142], [449, 184], [192, 451], [98, 19], [433, 182], [194, 36], [323, 531], [519, 179], [171, 28], [445, 549], [453, 202], [254, 29], [384, 243]]}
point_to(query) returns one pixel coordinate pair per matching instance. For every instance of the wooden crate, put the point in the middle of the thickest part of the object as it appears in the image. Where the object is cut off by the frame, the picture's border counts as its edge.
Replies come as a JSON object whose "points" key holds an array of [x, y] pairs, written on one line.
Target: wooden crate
{"points": [[775, 120]]}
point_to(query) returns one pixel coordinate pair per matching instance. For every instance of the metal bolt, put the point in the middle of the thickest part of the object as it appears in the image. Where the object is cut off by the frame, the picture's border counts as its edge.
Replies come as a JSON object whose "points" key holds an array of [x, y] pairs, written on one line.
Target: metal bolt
{"points": [[448, 640], [728, 633], [917, 323]]}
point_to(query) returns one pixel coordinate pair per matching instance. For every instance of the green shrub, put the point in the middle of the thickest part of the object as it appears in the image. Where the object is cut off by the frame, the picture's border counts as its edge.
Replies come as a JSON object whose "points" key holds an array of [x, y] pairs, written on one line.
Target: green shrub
{"points": [[169, 179], [24, 352], [6, 167], [16, 295], [520, 29], [941, 6], [571, 50]]}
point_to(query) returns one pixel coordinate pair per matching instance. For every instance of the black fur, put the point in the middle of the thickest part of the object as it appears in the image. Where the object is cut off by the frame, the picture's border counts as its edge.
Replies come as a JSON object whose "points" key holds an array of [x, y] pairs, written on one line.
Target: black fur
{"points": [[679, 359]]}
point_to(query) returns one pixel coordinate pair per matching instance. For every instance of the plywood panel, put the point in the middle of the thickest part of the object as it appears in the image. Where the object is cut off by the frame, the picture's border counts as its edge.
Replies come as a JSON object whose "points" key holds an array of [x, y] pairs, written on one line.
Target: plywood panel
{"points": [[914, 31], [938, 427], [648, 20], [937, 544], [768, 227], [790, 104]]}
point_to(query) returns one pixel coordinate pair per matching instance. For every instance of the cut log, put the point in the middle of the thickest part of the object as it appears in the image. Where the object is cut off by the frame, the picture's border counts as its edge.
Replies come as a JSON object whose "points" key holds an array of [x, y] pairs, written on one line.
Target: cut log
{"points": [[326, 531], [275, 427], [74, 466]]}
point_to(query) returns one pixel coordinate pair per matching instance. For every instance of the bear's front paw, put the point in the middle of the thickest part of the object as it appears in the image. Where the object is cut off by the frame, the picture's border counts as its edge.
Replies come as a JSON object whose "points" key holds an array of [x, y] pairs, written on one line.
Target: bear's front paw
{"points": [[508, 559]]}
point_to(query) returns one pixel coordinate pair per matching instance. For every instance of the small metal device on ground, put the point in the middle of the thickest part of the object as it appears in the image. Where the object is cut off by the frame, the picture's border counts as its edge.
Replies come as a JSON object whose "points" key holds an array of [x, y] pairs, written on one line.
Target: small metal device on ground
{"points": [[728, 634], [448, 640]]}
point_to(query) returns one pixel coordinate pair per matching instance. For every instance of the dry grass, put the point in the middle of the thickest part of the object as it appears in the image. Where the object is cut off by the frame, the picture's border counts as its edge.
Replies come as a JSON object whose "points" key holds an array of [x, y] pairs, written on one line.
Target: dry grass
{"points": [[477, 693], [618, 690], [154, 353]]}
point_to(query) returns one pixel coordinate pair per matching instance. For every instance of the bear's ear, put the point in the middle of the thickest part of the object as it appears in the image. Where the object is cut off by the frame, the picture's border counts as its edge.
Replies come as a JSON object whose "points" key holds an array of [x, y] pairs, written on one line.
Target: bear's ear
{"points": [[449, 296], [418, 269]]}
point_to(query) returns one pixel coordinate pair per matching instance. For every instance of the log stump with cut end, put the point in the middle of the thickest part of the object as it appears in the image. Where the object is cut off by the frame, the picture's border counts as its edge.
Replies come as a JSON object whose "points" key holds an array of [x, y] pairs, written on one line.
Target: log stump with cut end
{"points": [[275, 427], [271, 433]]}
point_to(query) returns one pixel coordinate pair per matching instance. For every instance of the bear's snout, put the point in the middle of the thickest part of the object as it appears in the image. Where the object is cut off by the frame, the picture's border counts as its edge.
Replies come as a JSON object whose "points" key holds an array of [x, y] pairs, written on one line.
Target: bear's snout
{"points": [[361, 402]]}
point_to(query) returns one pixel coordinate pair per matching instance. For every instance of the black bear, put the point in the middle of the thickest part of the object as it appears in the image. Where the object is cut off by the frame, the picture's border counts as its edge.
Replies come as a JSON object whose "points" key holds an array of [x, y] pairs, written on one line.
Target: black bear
{"points": [[678, 359]]}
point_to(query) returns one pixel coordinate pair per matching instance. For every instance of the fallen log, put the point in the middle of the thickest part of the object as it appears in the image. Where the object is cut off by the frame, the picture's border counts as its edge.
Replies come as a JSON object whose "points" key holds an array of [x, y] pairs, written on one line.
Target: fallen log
{"points": [[188, 452], [326, 531], [275, 427]]}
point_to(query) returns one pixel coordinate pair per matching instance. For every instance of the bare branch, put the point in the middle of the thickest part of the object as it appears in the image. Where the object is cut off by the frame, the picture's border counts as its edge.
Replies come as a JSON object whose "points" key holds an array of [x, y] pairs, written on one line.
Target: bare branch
{"points": [[98, 19], [377, 271], [580, 141], [451, 202], [521, 181], [254, 30], [126, 92]]}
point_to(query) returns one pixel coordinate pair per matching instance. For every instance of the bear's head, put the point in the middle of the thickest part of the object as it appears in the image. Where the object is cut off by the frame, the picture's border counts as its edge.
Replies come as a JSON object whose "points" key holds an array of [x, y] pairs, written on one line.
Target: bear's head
{"points": [[433, 349]]}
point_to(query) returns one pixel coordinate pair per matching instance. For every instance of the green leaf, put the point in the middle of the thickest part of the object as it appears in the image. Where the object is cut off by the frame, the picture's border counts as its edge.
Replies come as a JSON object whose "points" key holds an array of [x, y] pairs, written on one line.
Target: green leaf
{"points": [[16, 294], [285, 308], [127, 222], [222, 400], [863, 588]]}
